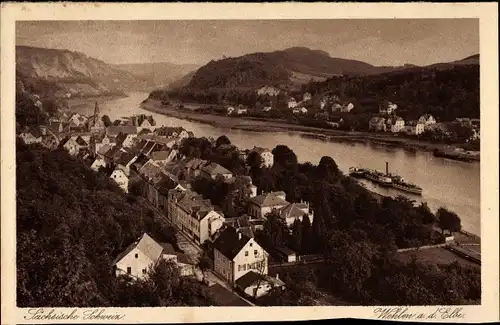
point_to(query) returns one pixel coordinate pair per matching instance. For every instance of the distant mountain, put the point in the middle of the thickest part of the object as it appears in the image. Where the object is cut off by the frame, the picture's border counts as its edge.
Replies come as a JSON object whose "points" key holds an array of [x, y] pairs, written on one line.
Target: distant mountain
{"points": [[470, 60], [59, 72], [296, 65], [158, 74]]}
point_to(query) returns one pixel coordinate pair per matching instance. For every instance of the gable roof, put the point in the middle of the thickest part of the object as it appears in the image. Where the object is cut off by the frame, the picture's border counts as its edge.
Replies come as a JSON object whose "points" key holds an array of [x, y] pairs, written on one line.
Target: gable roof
{"points": [[161, 155], [146, 245], [229, 244], [215, 169], [293, 210], [115, 130], [268, 200], [168, 249], [124, 158], [121, 137], [81, 142]]}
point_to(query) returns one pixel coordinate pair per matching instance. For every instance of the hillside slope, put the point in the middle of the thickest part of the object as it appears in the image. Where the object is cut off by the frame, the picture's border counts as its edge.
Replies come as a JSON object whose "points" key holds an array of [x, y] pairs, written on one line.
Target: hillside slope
{"points": [[71, 72]]}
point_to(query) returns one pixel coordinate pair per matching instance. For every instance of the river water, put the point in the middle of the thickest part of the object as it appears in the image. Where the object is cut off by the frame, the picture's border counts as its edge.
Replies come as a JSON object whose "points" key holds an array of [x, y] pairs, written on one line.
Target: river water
{"points": [[446, 183]]}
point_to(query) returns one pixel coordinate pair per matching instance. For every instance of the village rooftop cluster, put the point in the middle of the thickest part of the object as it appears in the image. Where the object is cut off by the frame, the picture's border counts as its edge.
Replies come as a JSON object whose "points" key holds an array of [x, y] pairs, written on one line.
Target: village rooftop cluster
{"points": [[134, 149]]}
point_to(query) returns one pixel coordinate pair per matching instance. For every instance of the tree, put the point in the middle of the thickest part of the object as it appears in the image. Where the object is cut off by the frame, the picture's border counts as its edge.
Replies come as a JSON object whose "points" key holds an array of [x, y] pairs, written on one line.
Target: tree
{"points": [[297, 236], [427, 216], [205, 264], [284, 157], [327, 169], [448, 220], [106, 120], [222, 140], [254, 161], [307, 236]]}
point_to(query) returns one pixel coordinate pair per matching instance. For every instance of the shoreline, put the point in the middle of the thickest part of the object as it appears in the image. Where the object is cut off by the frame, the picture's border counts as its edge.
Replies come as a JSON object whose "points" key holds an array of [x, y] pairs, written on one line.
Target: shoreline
{"points": [[262, 125]]}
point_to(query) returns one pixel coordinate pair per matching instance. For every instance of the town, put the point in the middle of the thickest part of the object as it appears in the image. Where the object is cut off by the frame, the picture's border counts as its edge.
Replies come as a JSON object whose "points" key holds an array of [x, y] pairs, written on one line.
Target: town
{"points": [[221, 244]]}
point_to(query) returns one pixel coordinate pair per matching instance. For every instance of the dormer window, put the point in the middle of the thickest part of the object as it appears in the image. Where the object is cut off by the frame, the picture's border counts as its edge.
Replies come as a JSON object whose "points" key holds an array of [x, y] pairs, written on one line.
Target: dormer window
{"points": [[136, 255]]}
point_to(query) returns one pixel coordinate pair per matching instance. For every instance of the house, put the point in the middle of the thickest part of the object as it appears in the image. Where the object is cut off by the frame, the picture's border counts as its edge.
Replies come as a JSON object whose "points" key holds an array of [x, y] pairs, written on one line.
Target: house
{"points": [[74, 144], [266, 154], [241, 111], [306, 97], [77, 120], [56, 127], [185, 265], [377, 124], [414, 128], [126, 140], [427, 119], [32, 135], [235, 254], [248, 180], [193, 166], [268, 90], [388, 108], [100, 141], [347, 108], [396, 124], [115, 130], [257, 285], [124, 160], [230, 110], [245, 224], [157, 188], [213, 170], [263, 204], [120, 178], [97, 164], [292, 103], [267, 108], [295, 211], [193, 215], [172, 132], [301, 110], [161, 158], [336, 107], [286, 254], [50, 141], [142, 255]]}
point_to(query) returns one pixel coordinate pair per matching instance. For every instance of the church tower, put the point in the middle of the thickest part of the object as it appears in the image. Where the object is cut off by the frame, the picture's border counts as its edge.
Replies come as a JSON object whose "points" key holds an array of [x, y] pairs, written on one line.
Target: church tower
{"points": [[96, 112]]}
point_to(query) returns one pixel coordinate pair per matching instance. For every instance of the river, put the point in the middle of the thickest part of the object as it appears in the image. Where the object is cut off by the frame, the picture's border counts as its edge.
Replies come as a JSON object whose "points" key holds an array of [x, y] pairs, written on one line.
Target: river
{"points": [[446, 183]]}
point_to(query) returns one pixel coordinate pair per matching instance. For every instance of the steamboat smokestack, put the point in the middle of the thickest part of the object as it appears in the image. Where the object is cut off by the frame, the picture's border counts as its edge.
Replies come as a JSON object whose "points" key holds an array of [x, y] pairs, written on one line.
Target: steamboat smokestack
{"points": [[386, 168]]}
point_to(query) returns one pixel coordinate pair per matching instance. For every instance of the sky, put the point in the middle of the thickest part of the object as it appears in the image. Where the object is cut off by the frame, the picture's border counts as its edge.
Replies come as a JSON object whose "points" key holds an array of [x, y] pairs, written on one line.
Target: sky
{"points": [[387, 42]]}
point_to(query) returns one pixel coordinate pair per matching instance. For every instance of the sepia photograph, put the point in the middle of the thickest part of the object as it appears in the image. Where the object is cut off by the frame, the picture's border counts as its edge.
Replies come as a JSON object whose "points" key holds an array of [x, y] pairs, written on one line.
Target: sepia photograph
{"points": [[248, 162]]}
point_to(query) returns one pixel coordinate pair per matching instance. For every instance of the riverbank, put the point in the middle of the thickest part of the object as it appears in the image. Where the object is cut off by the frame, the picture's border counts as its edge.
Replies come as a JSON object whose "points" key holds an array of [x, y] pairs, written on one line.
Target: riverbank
{"points": [[264, 125]]}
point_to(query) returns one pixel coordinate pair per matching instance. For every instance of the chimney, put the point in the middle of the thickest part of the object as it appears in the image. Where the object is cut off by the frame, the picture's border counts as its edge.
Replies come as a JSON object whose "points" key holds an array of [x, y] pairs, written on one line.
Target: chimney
{"points": [[239, 235]]}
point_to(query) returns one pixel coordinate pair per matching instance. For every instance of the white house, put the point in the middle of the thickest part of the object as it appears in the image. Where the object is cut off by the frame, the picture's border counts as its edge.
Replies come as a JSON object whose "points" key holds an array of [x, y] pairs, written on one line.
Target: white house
{"points": [[306, 97], [126, 140], [193, 215], [388, 109], [142, 255], [257, 285], [263, 204], [292, 103], [347, 108], [98, 163], [119, 176], [230, 110], [336, 108], [241, 111], [213, 170], [266, 154], [397, 124], [75, 144], [301, 110], [235, 254], [30, 136], [295, 211], [427, 119]]}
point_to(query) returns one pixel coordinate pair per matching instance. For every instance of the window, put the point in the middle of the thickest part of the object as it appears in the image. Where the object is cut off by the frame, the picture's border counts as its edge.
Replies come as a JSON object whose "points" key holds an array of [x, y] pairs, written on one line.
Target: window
{"points": [[255, 252], [239, 268], [246, 253], [250, 244], [129, 270], [136, 255], [143, 271], [245, 267]]}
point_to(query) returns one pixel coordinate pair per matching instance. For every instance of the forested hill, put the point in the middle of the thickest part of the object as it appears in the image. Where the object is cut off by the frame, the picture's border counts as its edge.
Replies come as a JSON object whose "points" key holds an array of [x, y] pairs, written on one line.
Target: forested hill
{"points": [[71, 72], [290, 66], [447, 91], [71, 224]]}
